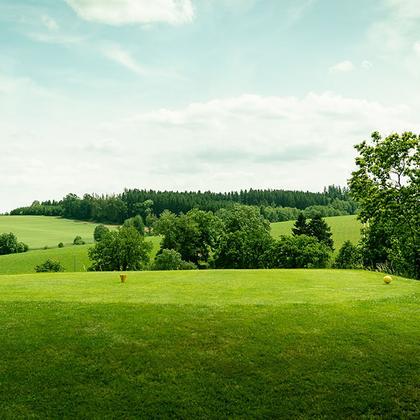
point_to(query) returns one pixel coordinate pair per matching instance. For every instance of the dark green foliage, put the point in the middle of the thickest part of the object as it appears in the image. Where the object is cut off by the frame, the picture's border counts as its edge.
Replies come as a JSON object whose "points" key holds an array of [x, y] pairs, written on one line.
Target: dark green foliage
{"points": [[349, 256], [9, 244], [244, 239], [387, 187], [193, 235], [120, 250], [49, 266], [136, 222], [78, 241], [275, 205], [99, 232], [301, 226], [61, 245], [297, 252], [169, 259], [319, 229]]}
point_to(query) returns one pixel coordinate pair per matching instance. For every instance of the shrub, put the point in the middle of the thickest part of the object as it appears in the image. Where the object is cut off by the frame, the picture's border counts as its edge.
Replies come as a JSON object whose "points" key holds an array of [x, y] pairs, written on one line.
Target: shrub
{"points": [[297, 252], [169, 259], [99, 232], [349, 256], [10, 245], [78, 241], [49, 266], [61, 245]]}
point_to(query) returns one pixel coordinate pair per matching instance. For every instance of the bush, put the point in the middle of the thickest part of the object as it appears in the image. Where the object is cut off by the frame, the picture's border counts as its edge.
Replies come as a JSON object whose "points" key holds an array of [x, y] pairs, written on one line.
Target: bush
{"points": [[10, 245], [78, 241], [349, 256], [61, 245], [169, 259], [297, 252], [49, 266], [99, 232]]}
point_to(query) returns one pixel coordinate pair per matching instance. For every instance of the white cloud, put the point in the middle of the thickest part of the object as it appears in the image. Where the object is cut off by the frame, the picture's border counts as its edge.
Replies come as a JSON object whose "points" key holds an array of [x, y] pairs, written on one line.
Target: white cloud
{"points": [[123, 57], [342, 67], [49, 23], [222, 144], [416, 47], [120, 12], [366, 65]]}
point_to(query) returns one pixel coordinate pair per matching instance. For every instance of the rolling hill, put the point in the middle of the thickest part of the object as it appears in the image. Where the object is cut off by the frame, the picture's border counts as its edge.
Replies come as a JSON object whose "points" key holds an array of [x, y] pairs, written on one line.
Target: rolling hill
{"points": [[343, 228]]}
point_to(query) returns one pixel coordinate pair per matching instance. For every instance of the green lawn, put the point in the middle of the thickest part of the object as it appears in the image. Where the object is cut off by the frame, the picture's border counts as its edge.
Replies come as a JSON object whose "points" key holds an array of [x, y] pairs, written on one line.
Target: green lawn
{"points": [[41, 231], [343, 228], [209, 344], [73, 258]]}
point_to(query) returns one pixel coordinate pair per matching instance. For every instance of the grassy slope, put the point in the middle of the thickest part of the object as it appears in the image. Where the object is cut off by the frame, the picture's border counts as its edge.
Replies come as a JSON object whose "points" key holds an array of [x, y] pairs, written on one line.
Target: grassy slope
{"points": [[281, 343], [343, 228], [40, 231], [73, 258]]}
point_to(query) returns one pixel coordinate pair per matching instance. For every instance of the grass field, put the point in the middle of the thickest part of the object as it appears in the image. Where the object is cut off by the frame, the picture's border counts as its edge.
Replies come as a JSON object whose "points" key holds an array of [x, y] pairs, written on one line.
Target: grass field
{"points": [[41, 231], [73, 258], [209, 344], [343, 228]]}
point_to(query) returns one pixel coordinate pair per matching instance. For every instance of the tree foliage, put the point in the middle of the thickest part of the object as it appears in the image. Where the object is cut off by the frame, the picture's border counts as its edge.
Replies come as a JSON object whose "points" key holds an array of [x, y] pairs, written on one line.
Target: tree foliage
{"points": [[300, 251], [387, 188], [99, 232], [9, 244], [49, 266], [169, 259], [120, 250], [349, 256]]}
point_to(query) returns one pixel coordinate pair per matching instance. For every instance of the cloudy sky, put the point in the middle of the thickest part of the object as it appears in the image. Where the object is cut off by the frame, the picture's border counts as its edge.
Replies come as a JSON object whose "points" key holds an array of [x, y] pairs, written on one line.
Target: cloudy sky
{"points": [[100, 95]]}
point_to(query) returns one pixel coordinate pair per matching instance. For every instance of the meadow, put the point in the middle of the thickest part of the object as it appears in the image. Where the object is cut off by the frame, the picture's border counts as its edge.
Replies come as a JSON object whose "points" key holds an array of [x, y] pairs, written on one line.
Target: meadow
{"points": [[209, 344], [343, 228], [44, 231], [73, 258]]}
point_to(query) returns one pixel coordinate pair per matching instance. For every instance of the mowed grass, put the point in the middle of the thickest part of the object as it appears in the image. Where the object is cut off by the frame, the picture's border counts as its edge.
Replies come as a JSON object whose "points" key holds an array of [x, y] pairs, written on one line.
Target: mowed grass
{"points": [[343, 228], [41, 231], [209, 344], [73, 258]]}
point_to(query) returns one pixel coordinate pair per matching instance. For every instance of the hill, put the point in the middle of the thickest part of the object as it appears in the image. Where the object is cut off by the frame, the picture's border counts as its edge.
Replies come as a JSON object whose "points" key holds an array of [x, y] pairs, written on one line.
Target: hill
{"points": [[41, 231], [343, 228], [209, 344], [73, 258]]}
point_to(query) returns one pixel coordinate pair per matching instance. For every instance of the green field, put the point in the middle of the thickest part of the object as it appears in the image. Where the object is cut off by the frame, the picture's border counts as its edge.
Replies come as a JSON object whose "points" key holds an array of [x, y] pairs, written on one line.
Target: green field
{"points": [[73, 258], [343, 228], [41, 231], [209, 344]]}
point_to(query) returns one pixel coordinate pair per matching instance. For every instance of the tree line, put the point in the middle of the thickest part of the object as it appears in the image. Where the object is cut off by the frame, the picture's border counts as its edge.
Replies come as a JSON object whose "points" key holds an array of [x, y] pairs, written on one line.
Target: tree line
{"points": [[275, 205]]}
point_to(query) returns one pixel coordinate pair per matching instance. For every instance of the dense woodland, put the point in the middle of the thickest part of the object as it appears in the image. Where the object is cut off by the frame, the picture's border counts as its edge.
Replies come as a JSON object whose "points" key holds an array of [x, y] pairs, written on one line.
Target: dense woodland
{"points": [[275, 205]]}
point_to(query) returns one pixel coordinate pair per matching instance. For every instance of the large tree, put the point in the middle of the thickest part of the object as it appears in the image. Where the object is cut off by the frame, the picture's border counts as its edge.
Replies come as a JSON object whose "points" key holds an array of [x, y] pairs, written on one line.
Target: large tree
{"points": [[387, 187], [245, 238], [193, 235], [120, 250]]}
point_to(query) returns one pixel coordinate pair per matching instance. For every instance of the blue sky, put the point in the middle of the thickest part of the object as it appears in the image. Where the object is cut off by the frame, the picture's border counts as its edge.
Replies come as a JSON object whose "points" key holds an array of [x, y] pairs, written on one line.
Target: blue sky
{"points": [[100, 95]]}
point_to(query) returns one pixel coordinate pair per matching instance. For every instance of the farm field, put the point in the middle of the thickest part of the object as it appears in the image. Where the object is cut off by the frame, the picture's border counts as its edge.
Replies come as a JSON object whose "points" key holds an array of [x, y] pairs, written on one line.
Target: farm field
{"points": [[343, 228], [73, 258], [41, 231], [209, 344]]}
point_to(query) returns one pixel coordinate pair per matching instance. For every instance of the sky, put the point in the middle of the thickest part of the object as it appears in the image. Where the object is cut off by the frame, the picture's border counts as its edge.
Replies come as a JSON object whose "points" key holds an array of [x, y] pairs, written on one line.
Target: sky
{"points": [[97, 96]]}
